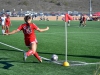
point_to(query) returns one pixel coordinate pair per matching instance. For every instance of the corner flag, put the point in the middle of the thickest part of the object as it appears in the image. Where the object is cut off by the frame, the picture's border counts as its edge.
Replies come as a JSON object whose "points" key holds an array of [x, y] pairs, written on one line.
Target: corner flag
{"points": [[67, 18]]}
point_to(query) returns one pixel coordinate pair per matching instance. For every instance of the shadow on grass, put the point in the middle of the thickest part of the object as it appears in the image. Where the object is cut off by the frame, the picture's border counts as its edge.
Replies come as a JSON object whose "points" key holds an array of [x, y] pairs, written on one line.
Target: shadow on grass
{"points": [[10, 50], [86, 56], [51, 53], [31, 62], [7, 64]]}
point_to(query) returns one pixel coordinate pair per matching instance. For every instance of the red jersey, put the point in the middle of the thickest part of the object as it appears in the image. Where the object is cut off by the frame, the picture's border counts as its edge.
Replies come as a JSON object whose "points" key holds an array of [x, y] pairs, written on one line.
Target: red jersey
{"points": [[28, 33], [84, 18], [7, 21]]}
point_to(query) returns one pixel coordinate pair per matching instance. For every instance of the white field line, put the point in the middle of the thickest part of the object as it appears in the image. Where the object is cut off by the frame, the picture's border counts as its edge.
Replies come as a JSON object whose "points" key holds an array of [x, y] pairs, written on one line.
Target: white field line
{"points": [[81, 63], [11, 46], [84, 64], [76, 61]]}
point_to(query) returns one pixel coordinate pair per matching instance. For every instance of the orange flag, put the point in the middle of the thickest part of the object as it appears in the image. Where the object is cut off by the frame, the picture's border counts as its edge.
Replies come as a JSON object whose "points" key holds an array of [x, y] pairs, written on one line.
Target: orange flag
{"points": [[68, 17]]}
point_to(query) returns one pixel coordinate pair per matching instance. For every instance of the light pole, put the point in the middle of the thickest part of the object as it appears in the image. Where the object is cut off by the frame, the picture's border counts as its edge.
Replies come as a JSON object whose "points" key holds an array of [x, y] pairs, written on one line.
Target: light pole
{"points": [[3, 10], [21, 11], [32, 10], [14, 10], [90, 10]]}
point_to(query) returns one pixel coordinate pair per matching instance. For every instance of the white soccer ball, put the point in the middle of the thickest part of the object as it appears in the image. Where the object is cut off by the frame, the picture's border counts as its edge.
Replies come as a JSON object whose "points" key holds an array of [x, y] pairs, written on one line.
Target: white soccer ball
{"points": [[54, 57]]}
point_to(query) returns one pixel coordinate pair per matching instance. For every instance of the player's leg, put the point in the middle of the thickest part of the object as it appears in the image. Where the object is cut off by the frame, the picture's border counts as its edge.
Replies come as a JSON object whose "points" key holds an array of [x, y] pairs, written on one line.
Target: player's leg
{"points": [[80, 24], [6, 29], [34, 47], [84, 23], [68, 23], [32, 51], [3, 29]]}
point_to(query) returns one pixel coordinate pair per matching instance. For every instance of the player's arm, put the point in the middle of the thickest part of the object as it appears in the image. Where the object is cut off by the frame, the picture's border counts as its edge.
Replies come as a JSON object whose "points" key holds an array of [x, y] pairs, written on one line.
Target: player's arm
{"points": [[13, 32], [42, 30]]}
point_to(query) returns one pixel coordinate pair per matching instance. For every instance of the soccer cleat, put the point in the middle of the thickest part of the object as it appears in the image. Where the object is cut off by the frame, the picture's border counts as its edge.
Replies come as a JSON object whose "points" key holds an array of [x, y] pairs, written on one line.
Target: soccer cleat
{"points": [[41, 61], [25, 57]]}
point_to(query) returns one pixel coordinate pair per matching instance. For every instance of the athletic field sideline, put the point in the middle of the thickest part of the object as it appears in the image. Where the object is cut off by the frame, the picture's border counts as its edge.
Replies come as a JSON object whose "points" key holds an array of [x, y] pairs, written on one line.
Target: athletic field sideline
{"points": [[83, 50]]}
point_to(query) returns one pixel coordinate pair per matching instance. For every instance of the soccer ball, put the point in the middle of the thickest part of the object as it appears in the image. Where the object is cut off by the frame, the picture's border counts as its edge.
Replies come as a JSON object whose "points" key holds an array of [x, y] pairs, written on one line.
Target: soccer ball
{"points": [[54, 57]]}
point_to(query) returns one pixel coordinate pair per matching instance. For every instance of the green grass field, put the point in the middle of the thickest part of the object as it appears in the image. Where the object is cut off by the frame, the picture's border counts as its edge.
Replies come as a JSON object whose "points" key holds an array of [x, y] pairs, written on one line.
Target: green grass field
{"points": [[83, 46]]}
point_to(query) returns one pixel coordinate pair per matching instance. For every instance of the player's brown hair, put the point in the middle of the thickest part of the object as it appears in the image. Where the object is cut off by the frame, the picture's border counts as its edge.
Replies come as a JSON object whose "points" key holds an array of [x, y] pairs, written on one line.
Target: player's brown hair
{"points": [[26, 18]]}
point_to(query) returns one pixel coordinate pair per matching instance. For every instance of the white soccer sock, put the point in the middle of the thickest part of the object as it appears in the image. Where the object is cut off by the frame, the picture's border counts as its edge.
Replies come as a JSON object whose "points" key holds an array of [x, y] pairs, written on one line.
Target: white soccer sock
{"points": [[3, 31]]}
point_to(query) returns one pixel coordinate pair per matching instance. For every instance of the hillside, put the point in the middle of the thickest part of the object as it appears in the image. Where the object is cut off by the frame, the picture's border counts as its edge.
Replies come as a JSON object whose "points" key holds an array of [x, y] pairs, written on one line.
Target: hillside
{"points": [[50, 5]]}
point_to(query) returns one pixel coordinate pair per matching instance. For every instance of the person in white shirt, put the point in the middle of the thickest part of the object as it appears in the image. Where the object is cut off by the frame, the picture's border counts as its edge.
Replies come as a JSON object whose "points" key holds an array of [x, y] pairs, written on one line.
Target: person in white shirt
{"points": [[68, 23], [3, 18]]}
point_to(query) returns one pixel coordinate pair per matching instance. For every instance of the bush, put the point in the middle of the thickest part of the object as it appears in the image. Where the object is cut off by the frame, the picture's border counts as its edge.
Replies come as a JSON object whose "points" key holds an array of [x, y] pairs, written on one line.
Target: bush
{"points": [[23, 3], [8, 2], [59, 4], [53, 1], [65, 3]]}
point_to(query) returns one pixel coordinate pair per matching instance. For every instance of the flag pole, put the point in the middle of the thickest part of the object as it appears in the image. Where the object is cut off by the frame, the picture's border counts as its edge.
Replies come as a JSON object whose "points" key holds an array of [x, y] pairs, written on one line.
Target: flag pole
{"points": [[66, 20], [66, 41]]}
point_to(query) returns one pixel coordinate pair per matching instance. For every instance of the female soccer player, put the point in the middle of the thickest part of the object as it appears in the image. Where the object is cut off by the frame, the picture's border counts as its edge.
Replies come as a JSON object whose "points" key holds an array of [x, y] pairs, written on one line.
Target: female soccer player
{"points": [[81, 21], [84, 20], [28, 29], [7, 23], [3, 23]]}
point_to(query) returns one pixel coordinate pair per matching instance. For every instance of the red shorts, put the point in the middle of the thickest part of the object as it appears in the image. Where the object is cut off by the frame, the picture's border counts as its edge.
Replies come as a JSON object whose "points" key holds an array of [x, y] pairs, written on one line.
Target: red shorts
{"points": [[8, 25], [29, 41]]}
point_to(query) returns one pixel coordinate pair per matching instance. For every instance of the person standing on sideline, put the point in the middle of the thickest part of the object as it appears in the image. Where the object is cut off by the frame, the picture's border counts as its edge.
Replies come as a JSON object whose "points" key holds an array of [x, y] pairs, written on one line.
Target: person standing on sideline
{"points": [[28, 29], [84, 20], [68, 23], [7, 24], [81, 21], [57, 18], [3, 18]]}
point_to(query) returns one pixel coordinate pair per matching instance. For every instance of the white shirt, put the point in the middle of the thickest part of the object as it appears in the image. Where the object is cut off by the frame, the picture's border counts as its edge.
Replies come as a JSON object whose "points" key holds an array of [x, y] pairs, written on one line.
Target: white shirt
{"points": [[3, 20]]}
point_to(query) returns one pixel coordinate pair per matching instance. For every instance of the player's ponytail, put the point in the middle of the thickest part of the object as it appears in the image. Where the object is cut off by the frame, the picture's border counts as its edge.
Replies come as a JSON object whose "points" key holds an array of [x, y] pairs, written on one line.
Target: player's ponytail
{"points": [[26, 18]]}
